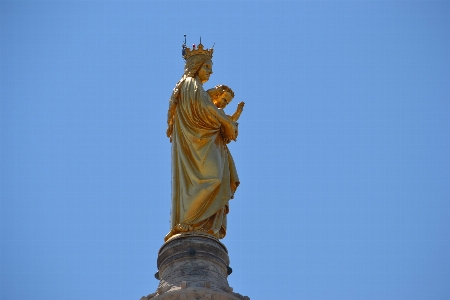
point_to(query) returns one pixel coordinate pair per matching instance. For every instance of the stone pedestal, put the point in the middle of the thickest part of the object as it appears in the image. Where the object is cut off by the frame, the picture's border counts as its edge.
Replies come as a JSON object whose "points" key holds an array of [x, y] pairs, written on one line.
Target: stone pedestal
{"points": [[193, 266]]}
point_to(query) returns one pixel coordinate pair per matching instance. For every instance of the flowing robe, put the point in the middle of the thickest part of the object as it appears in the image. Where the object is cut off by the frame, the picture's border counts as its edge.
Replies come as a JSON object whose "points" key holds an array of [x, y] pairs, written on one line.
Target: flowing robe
{"points": [[204, 176]]}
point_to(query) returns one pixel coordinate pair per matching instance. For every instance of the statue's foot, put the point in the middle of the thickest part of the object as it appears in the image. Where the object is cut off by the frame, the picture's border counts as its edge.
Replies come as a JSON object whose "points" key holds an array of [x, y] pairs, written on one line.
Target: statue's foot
{"points": [[182, 227]]}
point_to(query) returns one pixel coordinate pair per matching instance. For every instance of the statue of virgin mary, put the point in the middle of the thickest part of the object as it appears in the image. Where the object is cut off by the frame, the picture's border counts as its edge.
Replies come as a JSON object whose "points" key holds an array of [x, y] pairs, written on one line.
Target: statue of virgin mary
{"points": [[204, 176]]}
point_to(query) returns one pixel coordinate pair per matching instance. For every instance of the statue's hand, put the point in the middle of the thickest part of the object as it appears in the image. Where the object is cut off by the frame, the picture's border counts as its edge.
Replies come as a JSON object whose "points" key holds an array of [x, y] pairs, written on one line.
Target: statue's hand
{"points": [[241, 106], [229, 132], [169, 131]]}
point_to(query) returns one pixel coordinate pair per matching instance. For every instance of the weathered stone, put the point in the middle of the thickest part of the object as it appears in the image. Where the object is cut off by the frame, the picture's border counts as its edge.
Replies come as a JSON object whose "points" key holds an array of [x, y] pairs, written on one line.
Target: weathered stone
{"points": [[150, 296], [194, 266]]}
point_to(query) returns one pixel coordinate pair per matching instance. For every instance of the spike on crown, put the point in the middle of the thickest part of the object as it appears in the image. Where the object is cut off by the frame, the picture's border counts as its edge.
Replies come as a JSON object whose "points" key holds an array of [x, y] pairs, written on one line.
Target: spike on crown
{"points": [[187, 53]]}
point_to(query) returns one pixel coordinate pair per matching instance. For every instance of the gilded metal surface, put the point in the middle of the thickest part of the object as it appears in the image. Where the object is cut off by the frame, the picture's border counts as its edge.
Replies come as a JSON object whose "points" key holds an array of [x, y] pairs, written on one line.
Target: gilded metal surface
{"points": [[221, 95], [204, 176]]}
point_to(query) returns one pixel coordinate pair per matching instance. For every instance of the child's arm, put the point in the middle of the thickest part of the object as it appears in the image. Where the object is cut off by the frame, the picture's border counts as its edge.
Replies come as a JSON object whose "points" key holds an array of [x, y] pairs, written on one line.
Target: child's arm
{"points": [[238, 112]]}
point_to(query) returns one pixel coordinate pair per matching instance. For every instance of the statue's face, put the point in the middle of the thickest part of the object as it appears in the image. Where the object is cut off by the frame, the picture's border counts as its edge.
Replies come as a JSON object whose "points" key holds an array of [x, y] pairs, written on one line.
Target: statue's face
{"points": [[223, 100], [205, 71]]}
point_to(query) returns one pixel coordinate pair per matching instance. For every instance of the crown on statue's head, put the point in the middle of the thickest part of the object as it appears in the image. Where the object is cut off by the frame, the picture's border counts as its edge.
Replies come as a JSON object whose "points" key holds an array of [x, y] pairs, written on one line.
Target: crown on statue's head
{"points": [[187, 52]]}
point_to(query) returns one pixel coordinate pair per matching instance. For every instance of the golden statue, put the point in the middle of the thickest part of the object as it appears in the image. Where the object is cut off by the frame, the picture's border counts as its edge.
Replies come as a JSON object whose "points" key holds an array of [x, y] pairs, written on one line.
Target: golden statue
{"points": [[204, 176], [221, 96]]}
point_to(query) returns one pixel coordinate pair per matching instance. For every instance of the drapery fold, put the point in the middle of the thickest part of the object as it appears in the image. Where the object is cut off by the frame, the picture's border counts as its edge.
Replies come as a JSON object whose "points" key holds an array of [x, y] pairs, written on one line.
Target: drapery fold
{"points": [[204, 176]]}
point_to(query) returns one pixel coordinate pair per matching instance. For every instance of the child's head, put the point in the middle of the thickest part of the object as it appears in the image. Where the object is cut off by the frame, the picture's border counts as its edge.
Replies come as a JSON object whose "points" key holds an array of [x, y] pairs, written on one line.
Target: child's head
{"points": [[221, 95]]}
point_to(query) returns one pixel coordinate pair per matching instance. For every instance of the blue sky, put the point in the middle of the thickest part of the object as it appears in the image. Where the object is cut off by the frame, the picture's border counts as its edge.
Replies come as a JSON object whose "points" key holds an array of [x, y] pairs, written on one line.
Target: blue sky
{"points": [[343, 152]]}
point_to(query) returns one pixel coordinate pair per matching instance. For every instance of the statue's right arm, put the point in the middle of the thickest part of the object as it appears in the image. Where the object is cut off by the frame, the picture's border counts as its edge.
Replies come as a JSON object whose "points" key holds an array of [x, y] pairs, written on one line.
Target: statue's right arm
{"points": [[238, 112], [170, 116]]}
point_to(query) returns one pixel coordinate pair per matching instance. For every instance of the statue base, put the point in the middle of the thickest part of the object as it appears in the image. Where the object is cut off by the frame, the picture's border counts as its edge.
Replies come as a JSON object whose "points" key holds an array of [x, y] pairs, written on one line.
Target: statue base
{"points": [[193, 266]]}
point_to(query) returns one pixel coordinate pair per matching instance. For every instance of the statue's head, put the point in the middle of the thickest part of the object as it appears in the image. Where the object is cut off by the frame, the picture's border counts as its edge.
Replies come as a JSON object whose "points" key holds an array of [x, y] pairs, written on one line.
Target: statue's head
{"points": [[198, 62], [199, 65], [221, 95], [205, 71]]}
